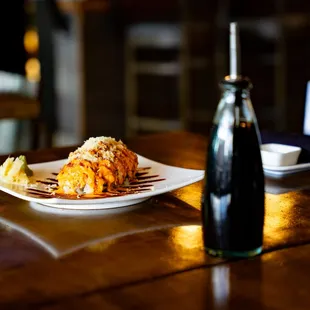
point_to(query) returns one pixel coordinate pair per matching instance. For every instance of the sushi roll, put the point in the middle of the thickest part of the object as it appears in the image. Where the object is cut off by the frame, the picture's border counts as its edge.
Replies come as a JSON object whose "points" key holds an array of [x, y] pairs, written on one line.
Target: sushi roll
{"points": [[100, 164]]}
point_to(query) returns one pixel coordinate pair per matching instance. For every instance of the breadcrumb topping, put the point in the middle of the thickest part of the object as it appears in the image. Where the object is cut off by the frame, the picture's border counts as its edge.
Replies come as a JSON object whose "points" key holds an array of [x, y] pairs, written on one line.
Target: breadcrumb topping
{"points": [[97, 149]]}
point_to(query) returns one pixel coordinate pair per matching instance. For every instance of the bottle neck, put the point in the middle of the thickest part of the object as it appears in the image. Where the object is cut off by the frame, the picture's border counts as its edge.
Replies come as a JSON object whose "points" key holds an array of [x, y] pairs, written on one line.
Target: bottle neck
{"points": [[236, 90], [236, 96], [235, 104]]}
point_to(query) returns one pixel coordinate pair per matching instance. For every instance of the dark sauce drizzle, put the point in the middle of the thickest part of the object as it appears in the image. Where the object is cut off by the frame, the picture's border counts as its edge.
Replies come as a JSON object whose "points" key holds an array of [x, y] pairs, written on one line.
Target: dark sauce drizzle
{"points": [[142, 183]]}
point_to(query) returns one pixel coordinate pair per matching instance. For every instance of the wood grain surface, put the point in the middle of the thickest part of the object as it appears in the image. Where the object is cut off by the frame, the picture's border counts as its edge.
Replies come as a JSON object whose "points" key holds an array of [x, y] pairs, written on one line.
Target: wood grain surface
{"points": [[165, 269]]}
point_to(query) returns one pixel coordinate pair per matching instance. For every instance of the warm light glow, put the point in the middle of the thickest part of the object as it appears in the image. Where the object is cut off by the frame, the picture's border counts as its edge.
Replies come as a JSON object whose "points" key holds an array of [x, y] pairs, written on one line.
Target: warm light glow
{"points": [[187, 237], [99, 247], [31, 41], [280, 215], [32, 68]]}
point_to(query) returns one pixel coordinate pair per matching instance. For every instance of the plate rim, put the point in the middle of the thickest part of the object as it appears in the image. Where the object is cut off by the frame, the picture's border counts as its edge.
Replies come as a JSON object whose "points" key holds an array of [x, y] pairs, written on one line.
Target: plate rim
{"points": [[109, 200], [287, 168]]}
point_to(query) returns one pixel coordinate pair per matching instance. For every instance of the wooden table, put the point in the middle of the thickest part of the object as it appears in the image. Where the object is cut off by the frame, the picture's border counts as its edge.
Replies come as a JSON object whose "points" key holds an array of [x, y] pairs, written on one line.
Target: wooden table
{"points": [[163, 269]]}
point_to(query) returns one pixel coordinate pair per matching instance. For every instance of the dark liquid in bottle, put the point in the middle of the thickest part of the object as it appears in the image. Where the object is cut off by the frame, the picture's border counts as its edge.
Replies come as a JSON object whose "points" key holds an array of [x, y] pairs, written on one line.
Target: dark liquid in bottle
{"points": [[233, 206]]}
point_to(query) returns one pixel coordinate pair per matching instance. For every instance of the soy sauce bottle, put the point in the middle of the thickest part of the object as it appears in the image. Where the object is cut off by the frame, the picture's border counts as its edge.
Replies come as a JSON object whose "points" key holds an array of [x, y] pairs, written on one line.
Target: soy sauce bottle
{"points": [[233, 200]]}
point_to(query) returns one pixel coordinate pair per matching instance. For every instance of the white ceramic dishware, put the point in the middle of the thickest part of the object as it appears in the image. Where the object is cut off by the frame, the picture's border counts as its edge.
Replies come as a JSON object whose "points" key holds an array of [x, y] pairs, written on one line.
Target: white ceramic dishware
{"points": [[279, 155], [157, 179]]}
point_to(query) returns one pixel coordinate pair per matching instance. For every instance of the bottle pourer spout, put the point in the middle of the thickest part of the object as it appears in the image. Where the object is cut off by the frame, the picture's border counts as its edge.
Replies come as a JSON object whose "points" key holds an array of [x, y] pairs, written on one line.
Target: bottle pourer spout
{"points": [[234, 51]]}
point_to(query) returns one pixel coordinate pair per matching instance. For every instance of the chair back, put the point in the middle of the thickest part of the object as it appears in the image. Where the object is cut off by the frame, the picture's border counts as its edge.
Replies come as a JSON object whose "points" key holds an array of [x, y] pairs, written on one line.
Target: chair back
{"points": [[12, 83]]}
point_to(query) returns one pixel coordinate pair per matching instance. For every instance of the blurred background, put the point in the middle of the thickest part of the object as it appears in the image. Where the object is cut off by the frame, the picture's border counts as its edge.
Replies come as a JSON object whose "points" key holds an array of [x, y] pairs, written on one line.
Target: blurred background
{"points": [[74, 69]]}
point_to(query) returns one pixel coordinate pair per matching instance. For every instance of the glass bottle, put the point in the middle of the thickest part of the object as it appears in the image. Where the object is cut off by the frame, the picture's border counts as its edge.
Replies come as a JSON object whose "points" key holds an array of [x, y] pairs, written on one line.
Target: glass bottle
{"points": [[233, 201]]}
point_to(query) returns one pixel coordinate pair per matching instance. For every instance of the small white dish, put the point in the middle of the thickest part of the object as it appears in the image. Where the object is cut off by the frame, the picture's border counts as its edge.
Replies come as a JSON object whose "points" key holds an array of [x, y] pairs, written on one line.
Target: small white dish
{"points": [[279, 155]]}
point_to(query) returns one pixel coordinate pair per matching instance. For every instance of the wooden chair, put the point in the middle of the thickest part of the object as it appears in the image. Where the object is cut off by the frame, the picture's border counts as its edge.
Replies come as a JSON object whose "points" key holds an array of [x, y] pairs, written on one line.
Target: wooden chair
{"points": [[157, 37], [36, 102], [19, 100], [197, 23]]}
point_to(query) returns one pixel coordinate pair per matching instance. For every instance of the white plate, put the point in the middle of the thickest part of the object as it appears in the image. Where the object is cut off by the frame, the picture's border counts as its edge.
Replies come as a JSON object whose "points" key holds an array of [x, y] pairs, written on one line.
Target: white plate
{"points": [[285, 170], [168, 178]]}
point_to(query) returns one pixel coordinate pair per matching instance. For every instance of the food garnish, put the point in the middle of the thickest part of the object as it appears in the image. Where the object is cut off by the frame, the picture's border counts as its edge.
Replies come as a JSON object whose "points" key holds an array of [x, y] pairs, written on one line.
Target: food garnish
{"points": [[16, 171]]}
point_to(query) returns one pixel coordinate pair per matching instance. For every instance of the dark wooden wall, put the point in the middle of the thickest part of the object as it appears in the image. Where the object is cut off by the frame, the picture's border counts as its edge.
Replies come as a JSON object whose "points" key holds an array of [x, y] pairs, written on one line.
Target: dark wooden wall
{"points": [[103, 76], [275, 49]]}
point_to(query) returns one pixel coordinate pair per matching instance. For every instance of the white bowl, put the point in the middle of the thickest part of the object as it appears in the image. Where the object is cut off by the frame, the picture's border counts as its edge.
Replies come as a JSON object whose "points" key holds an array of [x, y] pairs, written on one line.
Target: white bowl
{"points": [[274, 154]]}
